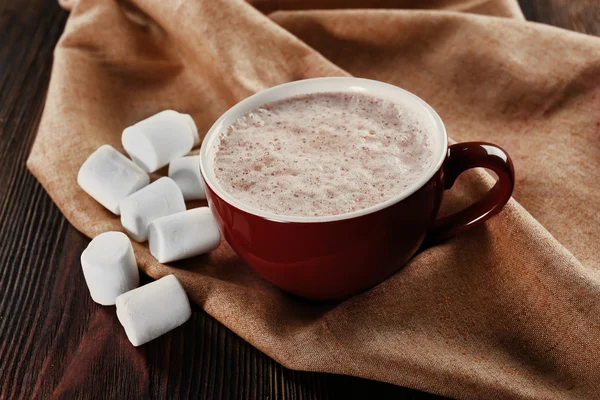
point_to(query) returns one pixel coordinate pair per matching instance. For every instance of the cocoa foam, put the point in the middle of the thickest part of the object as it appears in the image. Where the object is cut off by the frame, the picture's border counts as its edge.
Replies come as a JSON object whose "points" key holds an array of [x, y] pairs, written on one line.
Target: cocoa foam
{"points": [[323, 154]]}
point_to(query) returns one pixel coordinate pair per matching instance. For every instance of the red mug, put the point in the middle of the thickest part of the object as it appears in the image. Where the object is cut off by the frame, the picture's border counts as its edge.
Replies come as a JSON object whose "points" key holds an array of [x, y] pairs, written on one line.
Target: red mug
{"points": [[333, 257]]}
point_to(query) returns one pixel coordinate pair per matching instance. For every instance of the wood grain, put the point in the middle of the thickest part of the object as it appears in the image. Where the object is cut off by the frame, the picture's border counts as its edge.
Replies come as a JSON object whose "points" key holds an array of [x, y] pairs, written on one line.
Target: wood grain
{"points": [[576, 15], [54, 341]]}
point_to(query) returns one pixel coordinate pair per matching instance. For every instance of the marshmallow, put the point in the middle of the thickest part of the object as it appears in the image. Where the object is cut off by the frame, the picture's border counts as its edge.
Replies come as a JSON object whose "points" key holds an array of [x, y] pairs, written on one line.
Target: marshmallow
{"points": [[153, 310], [158, 199], [185, 171], [183, 235], [155, 141], [108, 176], [109, 267], [190, 121]]}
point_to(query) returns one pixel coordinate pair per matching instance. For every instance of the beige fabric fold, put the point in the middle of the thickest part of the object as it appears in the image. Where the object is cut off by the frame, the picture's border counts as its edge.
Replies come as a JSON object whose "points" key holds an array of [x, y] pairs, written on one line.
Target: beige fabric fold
{"points": [[508, 310]]}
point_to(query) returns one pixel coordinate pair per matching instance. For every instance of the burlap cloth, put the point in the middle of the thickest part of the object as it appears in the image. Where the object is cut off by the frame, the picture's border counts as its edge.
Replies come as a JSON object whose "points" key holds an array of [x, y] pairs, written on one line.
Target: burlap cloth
{"points": [[508, 310]]}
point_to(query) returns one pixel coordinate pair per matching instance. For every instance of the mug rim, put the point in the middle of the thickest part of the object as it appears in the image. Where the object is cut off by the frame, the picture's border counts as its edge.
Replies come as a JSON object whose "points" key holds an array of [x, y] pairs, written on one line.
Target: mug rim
{"points": [[346, 84]]}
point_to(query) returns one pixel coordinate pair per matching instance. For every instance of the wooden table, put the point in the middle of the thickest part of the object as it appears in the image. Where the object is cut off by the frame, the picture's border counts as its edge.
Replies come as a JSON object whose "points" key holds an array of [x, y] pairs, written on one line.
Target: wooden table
{"points": [[53, 337]]}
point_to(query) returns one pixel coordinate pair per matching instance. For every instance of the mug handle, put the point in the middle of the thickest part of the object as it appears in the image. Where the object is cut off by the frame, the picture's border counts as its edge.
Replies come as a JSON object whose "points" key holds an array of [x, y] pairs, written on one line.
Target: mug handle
{"points": [[464, 156]]}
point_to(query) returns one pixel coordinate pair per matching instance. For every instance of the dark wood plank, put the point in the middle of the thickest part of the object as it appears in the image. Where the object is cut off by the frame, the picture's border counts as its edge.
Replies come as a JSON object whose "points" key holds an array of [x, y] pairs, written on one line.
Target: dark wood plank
{"points": [[54, 341], [577, 15]]}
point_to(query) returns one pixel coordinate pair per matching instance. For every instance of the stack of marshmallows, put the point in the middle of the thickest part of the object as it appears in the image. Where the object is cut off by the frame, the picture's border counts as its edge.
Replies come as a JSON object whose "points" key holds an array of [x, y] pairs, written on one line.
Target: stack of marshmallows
{"points": [[149, 211]]}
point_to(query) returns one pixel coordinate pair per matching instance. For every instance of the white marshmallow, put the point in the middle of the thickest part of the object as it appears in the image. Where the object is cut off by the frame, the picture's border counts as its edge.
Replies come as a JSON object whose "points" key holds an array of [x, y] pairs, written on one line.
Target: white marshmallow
{"points": [[109, 267], [158, 199], [188, 118], [108, 176], [153, 309], [185, 171], [183, 235], [155, 141]]}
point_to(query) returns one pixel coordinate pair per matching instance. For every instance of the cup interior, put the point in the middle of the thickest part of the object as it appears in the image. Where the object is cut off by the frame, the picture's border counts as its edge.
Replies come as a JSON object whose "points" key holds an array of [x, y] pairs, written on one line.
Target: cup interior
{"points": [[319, 85]]}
